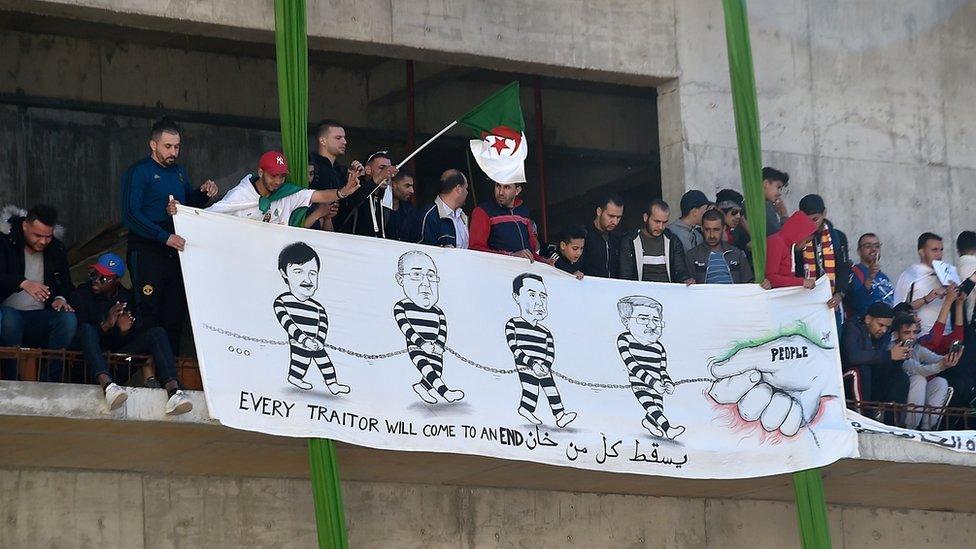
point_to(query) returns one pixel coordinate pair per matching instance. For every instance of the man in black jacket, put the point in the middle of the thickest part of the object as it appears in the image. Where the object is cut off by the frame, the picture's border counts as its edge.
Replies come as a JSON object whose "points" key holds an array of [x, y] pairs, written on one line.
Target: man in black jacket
{"points": [[105, 323], [601, 254], [34, 289], [652, 253], [876, 366]]}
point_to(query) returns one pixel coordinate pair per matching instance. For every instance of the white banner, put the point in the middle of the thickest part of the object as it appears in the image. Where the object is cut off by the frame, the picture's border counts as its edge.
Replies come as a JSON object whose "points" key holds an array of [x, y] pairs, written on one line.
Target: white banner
{"points": [[407, 347]]}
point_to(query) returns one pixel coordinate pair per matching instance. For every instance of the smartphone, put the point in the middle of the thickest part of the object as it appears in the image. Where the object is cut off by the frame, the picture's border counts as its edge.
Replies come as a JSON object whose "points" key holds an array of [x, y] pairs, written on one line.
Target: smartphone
{"points": [[955, 347], [908, 343]]}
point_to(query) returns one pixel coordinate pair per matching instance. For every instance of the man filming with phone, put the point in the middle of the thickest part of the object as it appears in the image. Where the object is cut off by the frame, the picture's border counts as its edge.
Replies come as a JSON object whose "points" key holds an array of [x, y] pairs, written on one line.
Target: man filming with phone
{"points": [[926, 387]]}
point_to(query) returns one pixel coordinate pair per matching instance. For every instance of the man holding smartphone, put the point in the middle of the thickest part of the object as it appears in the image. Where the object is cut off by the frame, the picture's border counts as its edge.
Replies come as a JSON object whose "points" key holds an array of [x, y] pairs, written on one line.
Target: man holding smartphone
{"points": [[926, 387], [866, 349], [868, 282], [106, 323]]}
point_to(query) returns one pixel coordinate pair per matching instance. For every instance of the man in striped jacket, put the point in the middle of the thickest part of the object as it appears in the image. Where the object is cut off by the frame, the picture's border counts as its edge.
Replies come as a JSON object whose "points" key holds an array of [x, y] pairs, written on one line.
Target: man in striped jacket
{"points": [[424, 325], [303, 318], [534, 350], [647, 361]]}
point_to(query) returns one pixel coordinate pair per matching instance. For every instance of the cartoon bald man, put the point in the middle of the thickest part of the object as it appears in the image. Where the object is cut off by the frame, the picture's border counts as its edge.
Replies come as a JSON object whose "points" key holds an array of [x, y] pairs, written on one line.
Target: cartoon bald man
{"points": [[424, 325]]}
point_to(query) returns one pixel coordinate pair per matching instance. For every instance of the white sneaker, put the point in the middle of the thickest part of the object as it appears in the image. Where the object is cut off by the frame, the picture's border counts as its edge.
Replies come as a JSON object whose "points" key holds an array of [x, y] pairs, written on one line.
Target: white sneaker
{"points": [[338, 389], [115, 396], [453, 395], [178, 404]]}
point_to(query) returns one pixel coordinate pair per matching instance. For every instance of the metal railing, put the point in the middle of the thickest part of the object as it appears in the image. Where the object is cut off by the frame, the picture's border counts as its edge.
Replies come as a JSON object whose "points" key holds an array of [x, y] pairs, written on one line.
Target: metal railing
{"points": [[955, 418], [62, 366]]}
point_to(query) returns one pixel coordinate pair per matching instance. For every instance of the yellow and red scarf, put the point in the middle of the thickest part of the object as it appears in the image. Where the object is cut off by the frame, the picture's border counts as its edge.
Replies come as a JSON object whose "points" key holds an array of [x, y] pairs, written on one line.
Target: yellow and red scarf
{"points": [[827, 263]]}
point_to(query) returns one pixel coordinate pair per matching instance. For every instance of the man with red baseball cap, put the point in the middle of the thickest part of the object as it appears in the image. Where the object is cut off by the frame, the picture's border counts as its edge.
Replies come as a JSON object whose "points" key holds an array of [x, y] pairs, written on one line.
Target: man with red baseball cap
{"points": [[266, 197]]}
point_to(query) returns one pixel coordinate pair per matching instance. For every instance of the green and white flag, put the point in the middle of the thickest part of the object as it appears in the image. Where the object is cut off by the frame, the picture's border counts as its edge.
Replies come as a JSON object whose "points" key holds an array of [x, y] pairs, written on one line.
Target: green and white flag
{"points": [[501, 148]]}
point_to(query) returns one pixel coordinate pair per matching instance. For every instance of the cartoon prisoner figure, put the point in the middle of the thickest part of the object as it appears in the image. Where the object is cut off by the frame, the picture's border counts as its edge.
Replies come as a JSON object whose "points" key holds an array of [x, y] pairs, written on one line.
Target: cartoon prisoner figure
{"points": [[303, 318], [424, 325], [532, 346], [647, 361]]}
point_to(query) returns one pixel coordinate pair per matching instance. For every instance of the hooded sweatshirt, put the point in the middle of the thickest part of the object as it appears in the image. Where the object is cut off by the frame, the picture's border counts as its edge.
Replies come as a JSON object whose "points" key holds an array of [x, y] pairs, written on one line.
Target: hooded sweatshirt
{"points": [[780, 262]]}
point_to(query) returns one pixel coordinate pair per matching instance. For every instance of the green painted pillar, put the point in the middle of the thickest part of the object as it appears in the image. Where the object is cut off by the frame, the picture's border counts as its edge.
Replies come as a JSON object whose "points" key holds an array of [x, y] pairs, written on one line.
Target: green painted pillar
{"points": [[811, 507], [291, 49]]}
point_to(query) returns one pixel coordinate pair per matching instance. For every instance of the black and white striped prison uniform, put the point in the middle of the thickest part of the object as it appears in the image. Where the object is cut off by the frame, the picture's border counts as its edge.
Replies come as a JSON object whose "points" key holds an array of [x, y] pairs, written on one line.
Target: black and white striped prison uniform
{"points": [[304, 321], [421, 326], [530, 344], [646, 365]]}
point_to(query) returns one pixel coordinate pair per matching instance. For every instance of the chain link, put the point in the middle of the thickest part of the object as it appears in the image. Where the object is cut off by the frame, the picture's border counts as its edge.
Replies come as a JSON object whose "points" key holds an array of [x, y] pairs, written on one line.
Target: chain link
{"points": [[459, 356]]}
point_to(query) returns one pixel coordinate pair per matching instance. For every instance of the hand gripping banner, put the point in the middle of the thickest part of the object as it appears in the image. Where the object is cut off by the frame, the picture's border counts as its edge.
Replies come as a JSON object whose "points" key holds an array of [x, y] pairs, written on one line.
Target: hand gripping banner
{"points": [[408, 347]]}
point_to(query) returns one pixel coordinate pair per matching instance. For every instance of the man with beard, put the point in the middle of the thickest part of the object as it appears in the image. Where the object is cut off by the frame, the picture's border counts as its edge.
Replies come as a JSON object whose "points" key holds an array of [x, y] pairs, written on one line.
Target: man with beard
{"points": [[825, 254], [534, 350], [154, 263], [503, 226], [303, 318], [424, 325], [362, 212], [653, 253], [34, 289], [601, 250], [715, 261], [869, 284], [106, 324], [647, 361], [402, 217], [919, 286], [266, 197]]}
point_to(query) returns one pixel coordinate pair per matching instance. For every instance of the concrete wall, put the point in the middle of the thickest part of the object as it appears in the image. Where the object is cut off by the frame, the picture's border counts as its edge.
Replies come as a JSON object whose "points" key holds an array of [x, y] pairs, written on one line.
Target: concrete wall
{"points": [[869, 103], [87, 102], [58, 508]]}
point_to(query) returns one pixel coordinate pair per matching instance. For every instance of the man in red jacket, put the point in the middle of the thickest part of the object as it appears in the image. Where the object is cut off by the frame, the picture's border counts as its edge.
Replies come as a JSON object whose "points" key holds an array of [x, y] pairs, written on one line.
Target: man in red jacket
{"points": [[797, 231]]}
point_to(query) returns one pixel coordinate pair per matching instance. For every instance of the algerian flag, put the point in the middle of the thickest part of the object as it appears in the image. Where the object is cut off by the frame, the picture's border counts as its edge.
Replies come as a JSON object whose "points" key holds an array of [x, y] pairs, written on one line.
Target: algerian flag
{"points": [[501, 149]]}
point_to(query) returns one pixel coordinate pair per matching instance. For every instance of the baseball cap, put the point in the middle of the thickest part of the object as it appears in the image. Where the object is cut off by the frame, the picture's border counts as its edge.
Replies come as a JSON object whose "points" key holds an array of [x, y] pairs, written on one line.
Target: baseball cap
{"points": [[109, 265], [693, 199], [273, 163]]}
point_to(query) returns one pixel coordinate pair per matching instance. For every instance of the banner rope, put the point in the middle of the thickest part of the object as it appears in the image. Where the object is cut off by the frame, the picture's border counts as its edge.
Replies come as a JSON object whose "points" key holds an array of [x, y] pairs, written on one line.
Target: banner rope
{"points": [[458, 355]]}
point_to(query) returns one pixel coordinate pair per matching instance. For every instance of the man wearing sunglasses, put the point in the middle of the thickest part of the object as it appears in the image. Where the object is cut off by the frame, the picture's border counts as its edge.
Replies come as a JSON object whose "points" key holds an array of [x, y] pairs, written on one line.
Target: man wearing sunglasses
{"points": [[732, 205], [106, 324]]}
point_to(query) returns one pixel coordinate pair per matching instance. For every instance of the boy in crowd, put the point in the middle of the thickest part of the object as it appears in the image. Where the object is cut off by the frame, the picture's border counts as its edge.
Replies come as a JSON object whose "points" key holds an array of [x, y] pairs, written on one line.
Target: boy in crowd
{"points": [[568, 250]]}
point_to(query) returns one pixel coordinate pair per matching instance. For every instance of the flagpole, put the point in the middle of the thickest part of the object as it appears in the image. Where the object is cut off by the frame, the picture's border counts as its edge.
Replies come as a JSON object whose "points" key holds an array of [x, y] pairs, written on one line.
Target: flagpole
{"points": [[428, 142]]}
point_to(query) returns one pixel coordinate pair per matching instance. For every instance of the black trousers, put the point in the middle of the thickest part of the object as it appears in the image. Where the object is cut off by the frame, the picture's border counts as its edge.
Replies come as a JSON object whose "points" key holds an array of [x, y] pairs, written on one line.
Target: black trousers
{"points": [[157, 284]]}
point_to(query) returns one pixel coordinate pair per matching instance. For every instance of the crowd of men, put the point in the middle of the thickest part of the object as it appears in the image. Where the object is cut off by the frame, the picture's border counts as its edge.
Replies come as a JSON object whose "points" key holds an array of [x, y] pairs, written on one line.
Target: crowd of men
{"points": [[901, 342]]}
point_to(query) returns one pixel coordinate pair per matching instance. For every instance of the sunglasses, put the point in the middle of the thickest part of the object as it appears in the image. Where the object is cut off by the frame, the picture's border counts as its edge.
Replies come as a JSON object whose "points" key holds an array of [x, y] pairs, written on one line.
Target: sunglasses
{"points": [[95, 275]]}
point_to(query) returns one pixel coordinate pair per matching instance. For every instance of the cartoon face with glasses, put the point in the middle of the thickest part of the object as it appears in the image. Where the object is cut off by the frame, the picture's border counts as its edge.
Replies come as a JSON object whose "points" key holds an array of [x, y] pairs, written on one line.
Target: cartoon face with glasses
{"points": [[417, 275], [644, 321]]}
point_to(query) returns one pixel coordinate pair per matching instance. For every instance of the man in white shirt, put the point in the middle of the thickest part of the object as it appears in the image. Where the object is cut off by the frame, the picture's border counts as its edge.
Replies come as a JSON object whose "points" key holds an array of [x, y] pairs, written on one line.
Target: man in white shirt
{"points": [[266, 197], [919, 285], [966, 250]]}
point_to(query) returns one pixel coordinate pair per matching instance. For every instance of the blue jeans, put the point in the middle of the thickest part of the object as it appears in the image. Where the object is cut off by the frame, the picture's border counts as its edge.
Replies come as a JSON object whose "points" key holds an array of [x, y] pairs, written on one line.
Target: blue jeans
{"points": [[152, 341], [45, 328]]}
